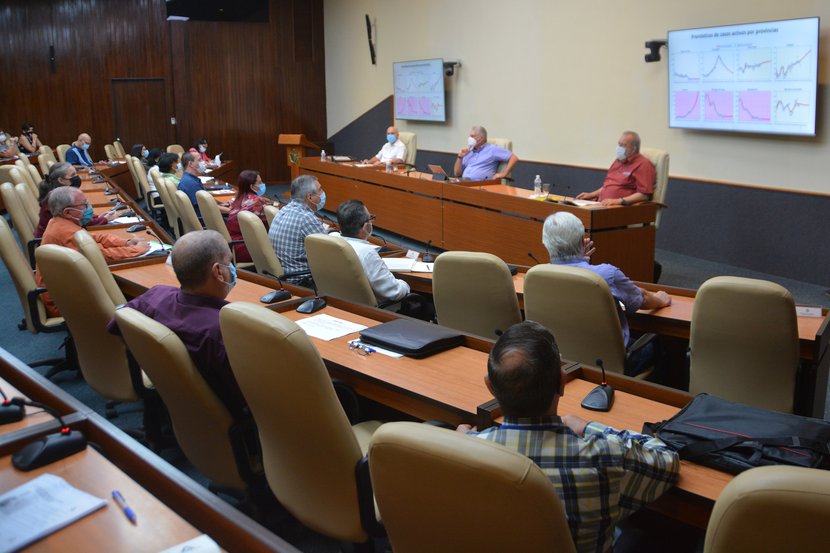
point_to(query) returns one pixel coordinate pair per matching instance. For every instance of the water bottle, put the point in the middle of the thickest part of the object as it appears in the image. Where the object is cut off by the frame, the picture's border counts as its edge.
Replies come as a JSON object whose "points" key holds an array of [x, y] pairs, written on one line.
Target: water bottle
{"points": [[537, 186], [322, 155], [388, 167]]}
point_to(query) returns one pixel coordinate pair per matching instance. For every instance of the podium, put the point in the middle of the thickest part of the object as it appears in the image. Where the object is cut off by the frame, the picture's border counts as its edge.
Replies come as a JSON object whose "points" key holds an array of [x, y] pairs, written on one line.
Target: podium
{"points": [[297, 146]]}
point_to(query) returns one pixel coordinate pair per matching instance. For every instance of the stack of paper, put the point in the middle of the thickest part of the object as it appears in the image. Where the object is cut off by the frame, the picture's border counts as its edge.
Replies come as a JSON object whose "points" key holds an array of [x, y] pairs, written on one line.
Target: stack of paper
{"points": [[399, 264]]}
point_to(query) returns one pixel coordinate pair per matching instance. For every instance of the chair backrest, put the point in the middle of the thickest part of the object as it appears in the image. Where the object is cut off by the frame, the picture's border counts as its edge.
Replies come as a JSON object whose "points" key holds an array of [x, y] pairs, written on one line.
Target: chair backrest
{"points": [[141, 177], [337, 270], [190, 221], [660, 160], [309, 448], [24, 159], [271, 212], [410, 140], [175, 149], [10, 173], [131, 165], [166, 191], [201, 421], [503, 143], [744, 342], [211, 214], [62, 149], [36, 178], [29, 203], [89, 248], [259, 246], [474, 293], [119, 148], [46, 155], [87, 308], [771, 509], [21, 273], [109, 150], [439, 490], [20, 219], [25, 174], [576, 305]]}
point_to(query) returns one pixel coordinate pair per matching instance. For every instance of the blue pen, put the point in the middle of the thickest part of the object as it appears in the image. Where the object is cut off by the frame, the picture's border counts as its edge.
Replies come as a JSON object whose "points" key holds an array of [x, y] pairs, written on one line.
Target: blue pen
{"points": [[130, 514]]}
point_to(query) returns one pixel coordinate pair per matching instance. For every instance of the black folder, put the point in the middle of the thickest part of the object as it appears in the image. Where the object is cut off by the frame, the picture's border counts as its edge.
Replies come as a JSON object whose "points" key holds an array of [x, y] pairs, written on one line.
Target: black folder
{"points": [[412, 338]]}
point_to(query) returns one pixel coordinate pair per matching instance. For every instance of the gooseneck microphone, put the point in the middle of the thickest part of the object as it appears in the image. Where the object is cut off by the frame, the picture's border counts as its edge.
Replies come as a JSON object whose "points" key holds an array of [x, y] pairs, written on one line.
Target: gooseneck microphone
{"points": [[314, 304], [600, 398], [10, 412], [533, 257], [51, 447], [428, 258], [156, 236], [276, 295]]}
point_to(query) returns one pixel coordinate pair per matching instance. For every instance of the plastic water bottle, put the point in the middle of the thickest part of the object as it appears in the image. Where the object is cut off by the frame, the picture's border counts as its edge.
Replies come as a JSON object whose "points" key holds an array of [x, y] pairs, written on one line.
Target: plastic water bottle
{"points": [[322, 155], [537, 186], [388, 167]]}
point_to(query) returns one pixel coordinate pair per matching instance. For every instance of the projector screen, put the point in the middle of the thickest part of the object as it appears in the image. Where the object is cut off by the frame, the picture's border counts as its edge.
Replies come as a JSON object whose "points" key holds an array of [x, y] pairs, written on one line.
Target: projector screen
{"points": [[755, 77], [419, 90]]}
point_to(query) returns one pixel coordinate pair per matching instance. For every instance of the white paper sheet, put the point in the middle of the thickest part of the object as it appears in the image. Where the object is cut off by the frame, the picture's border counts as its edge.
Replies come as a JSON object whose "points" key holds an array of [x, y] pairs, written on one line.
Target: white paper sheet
{"points": [[199, 544], [400, 264], [325, 327], [421, 267]]}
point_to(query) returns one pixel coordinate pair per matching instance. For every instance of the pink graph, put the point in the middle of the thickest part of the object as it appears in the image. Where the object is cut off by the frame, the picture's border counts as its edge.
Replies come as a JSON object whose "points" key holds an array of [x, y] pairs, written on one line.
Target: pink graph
{"points": [[754, 106], [718, 105], [686, 105]]}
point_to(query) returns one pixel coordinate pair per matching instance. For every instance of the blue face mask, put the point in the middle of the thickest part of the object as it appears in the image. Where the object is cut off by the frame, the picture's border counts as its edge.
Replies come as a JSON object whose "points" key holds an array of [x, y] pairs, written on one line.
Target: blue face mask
{"points": [[259, 190], [179, 168], [145, 153], [232, 270], [85, 146], [86, 216], [319, 206], [390, 138], [202, 149]]}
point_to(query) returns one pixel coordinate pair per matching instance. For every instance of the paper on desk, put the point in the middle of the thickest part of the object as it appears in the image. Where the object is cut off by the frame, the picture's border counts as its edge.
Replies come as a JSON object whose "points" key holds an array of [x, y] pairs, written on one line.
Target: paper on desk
{"points": [[421, 267], [199, 544], [126, 220], [325, 327], [400, 264], [155, 247], [363, 165], [812, 311], [205, 180], [219, 192], [40, 507]]}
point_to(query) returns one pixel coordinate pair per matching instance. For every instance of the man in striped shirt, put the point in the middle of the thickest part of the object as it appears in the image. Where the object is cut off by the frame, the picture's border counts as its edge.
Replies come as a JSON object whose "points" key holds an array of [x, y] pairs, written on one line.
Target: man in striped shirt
{"points": [[601, 474]]}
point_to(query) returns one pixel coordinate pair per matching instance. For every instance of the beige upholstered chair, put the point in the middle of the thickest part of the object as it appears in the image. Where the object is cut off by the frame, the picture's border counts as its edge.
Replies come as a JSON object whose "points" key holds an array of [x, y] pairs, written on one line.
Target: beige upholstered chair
{"points": [[89, 248], [201, 422], [20, 219], [153, 198], [744, 342], [29, 203], [140, 174], [310, 451], [26, 174], [36, 178], [439, 490], [62, 149], [34, 313], [503, 143], [576, 305], [660, 160], [410, 139], [271, 212], [337, 270], [150, 198], [119, 148], [175, 149], [166, 192], [259, 246], [10, 173], [211, 214], [46, 155], [190, 221], [87, 308], [109, 150], [474, 293], [24, 159], [131, 165], [771, 509]]}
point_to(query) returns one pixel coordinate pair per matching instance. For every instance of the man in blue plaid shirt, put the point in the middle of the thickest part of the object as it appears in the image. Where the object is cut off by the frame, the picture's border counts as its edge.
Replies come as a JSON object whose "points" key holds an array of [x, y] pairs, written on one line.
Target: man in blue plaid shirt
{"points": [[601, 474], [296, 221]]}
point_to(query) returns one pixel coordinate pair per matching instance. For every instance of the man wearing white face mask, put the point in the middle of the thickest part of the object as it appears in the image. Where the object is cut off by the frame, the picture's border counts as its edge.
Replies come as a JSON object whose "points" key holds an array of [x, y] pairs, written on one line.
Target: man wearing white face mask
{"points": [[631, 177], [479, 160], [78, 154], [394, 151]]}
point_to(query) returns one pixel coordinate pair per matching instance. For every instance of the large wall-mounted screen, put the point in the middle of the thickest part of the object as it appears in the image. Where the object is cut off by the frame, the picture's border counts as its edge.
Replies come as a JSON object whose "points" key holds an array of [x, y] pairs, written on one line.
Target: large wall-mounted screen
{"points": [[419, 90], [754, 77]]}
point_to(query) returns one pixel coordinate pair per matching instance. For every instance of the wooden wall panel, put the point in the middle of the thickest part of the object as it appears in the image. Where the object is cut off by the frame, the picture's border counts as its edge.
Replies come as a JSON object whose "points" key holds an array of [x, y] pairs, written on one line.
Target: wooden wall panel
{"points": [[236, 84]]}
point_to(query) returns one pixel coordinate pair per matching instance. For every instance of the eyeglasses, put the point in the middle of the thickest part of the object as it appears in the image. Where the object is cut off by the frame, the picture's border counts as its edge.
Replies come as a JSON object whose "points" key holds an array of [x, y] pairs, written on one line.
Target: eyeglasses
{"points": [[81, 206], [370, 219], [361, 348]]}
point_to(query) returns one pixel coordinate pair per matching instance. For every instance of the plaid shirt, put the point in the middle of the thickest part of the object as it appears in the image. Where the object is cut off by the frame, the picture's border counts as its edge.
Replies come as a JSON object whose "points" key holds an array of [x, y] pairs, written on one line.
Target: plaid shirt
{"points": [[288, 231], [601, 478]]}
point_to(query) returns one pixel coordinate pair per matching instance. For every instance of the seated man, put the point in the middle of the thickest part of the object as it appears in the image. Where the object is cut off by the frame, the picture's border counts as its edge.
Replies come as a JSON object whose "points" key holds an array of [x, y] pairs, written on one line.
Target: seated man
{"points": [[202, 263], [480, 160], [63, 174], [394, 151], [563, 236], [294, 222], [355, 224], [190, 183], [601, 474], [78, 154], [70, 212], [8, 145], [631, 177]]}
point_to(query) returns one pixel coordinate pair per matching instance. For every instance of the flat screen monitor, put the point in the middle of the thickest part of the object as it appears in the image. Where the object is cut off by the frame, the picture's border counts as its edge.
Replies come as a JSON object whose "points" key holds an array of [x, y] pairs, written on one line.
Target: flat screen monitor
{"points": [[419, 90], [754, 77]]}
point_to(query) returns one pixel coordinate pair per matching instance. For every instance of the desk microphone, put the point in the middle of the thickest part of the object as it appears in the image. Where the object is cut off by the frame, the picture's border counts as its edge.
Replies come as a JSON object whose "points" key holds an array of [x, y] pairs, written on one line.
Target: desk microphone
{"points": [[10, 412], [276, 295], [533, 257], [314, 304], [156, 236], [600, 398], [51, 447], [428, 258]]}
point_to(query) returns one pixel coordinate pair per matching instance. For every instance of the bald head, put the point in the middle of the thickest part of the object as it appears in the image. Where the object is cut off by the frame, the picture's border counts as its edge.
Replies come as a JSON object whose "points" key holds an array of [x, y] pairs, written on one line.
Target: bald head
{"points": [[392, 130], [195, 254], [83, 138]]}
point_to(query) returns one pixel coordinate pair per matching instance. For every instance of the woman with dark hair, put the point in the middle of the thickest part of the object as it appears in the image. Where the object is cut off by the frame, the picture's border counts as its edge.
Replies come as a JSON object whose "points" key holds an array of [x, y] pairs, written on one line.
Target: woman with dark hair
{"points": [[140, 152], [29, 142], [152, 166], [200, 147], [62, 174], [249, 197]]}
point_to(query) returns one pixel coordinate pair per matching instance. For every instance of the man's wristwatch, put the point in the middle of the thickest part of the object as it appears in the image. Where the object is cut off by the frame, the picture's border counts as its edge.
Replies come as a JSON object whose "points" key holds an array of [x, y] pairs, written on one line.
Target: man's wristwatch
{"points": [[623, 202]]}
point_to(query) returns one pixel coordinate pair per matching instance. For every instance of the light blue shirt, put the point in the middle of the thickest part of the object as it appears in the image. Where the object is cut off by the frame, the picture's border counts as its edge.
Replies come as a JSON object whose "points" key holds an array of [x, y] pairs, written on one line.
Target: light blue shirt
{"points": [[481, 164]]}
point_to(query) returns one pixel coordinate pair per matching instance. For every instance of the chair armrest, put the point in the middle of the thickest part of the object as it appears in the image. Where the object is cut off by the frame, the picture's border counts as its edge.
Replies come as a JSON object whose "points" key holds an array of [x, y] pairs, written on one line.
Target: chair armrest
{"points": [[641, 342], [366, 500], [32, 298], [30, 248]]}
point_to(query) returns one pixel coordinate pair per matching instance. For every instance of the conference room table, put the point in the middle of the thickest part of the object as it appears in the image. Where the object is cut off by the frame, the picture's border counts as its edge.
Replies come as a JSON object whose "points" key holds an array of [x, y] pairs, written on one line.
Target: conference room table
{"points": [[486, 216]]}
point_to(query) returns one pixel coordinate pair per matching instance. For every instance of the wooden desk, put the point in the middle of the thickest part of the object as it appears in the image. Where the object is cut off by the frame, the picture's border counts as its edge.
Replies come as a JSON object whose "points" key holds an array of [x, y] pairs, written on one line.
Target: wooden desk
{"points": [[486, 216], [119, 174]]}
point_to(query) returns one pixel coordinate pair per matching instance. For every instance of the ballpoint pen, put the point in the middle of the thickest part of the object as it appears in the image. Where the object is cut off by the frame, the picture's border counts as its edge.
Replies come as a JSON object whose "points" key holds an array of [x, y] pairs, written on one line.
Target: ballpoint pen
{"points": [[122, 503]]}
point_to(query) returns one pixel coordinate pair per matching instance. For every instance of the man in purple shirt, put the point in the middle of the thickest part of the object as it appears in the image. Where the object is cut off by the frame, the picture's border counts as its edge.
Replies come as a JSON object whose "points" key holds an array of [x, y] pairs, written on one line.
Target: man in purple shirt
{"points": [[202, 263], [563, 236], [480, 160]]}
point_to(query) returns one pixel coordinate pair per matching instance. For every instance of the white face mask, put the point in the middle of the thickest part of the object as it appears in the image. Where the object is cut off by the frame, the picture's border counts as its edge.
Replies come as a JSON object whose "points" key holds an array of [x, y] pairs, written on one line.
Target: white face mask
{"points": [[471, 142], [3, 137], [619, 153]]}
